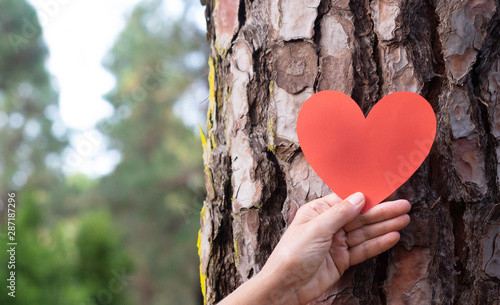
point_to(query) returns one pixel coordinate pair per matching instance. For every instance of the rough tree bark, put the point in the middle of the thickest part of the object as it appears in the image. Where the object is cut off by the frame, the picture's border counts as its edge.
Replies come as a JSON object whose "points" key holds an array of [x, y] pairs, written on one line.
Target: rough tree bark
{"points": [[268, 57]]}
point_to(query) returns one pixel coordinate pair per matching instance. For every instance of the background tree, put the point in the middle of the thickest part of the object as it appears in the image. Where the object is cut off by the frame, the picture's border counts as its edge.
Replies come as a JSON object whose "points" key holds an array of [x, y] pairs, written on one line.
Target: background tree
{"points": [[76, 233], [157, 188], [54, 250], [268, 57], [28, 103]]}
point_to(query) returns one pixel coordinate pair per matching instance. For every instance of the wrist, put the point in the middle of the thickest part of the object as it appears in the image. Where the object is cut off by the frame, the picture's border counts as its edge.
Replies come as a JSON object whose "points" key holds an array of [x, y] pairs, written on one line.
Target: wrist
{"points": [[264, 288], [276, 287]]}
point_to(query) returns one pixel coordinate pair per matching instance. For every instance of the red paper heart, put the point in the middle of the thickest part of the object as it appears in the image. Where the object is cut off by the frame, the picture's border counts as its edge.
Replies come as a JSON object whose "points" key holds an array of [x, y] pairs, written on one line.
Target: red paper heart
{"points": [[374, 155]]}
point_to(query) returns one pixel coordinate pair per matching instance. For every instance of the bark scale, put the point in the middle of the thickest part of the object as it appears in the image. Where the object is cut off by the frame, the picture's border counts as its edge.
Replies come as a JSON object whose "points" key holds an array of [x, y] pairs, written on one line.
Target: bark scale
{"points": [[268, 57]]}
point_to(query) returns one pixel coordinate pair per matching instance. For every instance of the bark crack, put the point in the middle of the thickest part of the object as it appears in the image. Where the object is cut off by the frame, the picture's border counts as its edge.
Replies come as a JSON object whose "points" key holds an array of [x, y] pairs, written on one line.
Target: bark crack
{"points": [[242, 14], [221, 265], [367, 73], [433, 88], [323, 8], [381, 275], [270, 213], [457, 210], [378, 66], [488, 53]]}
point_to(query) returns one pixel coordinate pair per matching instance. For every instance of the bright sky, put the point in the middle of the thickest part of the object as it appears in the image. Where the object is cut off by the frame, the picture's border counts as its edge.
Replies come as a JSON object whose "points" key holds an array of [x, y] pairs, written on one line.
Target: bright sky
{"points": [[79, 33]]}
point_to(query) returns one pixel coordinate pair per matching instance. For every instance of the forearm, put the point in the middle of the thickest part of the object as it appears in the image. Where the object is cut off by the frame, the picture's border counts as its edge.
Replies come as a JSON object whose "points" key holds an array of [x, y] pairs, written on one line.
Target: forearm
{"points": [[264, 288]]}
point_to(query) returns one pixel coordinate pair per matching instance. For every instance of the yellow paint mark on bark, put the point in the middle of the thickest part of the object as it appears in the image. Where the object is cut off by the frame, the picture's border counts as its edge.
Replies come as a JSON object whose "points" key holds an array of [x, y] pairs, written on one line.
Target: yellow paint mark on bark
{"points": [[270, 135], [212, 140], [211, 88], [203, 138], [203, 212], [207, 150], [236, 253], [221, 51], [203, 276], [211, 103], [271, 89], [270, 123], [280, 10]]}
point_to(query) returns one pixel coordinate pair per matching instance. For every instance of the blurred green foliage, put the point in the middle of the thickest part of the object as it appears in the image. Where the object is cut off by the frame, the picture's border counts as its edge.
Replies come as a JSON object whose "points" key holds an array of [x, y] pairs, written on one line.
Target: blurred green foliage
{"points": [[128, 237], [71, 262], [27, 101]]}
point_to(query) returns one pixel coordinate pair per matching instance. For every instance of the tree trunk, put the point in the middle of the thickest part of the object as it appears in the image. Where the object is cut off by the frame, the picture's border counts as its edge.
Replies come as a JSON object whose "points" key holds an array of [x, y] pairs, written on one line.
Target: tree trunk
{"points": [[268, 57]]}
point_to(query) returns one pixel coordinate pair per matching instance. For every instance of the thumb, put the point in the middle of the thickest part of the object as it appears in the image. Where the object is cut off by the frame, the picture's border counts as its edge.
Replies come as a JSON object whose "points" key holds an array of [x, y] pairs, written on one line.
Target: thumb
{"points": [[340, 213]]}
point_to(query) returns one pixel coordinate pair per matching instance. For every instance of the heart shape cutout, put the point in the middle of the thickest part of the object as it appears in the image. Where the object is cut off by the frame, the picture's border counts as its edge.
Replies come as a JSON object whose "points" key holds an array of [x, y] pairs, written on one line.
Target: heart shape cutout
{"points": [[373, 155]]}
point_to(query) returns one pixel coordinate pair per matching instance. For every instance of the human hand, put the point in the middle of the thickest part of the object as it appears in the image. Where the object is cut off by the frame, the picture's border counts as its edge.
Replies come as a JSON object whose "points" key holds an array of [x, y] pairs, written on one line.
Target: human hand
{"points": [[327, 236]]}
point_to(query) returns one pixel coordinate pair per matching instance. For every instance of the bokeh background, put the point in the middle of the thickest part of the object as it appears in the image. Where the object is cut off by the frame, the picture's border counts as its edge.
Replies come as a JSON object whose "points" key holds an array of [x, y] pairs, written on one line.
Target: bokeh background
{"points": [[101, 108]]}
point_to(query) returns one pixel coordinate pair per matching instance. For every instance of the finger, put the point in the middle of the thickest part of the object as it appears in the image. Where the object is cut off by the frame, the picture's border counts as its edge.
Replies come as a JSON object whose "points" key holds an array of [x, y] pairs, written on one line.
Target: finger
{"points": [[324, 203], [384, 211], [316, 207], [372, 247], [333, 219], [368, 232], [331, 199]]}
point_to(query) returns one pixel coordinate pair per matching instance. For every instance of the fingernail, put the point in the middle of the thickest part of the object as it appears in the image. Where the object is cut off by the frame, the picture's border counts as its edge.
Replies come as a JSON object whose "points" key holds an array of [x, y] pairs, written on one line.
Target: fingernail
{"points": [[356, 198]]}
